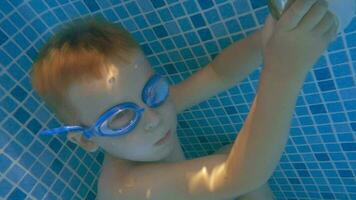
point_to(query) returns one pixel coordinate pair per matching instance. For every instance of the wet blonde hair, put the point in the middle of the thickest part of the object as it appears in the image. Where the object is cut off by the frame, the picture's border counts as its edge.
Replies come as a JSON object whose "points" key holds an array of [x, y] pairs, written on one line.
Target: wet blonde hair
{"points": [[80, 51]]}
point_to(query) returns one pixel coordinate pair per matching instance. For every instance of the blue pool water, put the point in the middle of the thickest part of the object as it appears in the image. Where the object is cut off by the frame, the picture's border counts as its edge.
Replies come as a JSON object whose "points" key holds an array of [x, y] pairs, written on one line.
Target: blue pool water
{"points": [[178, 38]]}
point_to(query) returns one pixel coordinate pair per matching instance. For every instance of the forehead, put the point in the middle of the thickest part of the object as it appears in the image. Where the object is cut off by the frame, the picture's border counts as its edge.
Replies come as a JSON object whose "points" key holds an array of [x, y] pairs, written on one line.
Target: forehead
{"points": [[125, 83]]}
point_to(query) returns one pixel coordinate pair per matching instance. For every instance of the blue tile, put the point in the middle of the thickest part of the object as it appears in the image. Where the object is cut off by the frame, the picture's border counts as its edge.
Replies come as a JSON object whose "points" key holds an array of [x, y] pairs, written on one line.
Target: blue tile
{"points": [[141, 22], [177, 10], [27, 183], [212, 47], [21, 115], [5, 163], [6, 187], [258, 3], [322, 74], [338, 58], [345, 82], [158, 3], [55, 145], [18, 21], [192, 38], [165, 15], [241, 6], [345, 173], [38, 6], [172, 28], [317, 109], [205, 4], [341, 70], [198, 51], [233, 26], [129, 25], [170, 68], [48, 178], [16, 72], [351, 40], [17, 194], [353, 125], [146, 49], [326, 85], [58, 187], [103, 4], [205, 34], [8, 104], [67, 193], [60, 14], [191, 6], [327, 195], [337, 44], [19, 93], [156, 46], [185, 24], [3, 38], [5, 7], [11, 126], [49, 19], [15, 173], [348, 93], [132, 8], [348, 146], [197, 20], [351, 27], [226, 11], [219, 30], [212, 16], [247, 21], [26, 12], [160, 31], [30, 33], [92, 5], [56, 166], [39, 191], [321, 62], [262, 16], [152, 18], [145, 5], [186, 53], [34, 126], [4, 59], [12, 49], [83, 10]]}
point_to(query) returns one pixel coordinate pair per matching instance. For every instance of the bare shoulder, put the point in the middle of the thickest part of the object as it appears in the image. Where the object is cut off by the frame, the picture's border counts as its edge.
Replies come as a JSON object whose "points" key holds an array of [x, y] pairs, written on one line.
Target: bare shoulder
{"points": [[224, 149], [113, 173]]}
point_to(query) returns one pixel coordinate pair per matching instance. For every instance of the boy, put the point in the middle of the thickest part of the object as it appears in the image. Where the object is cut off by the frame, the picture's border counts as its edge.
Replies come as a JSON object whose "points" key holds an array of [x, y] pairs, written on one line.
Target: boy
{"points": [[103, 83]]}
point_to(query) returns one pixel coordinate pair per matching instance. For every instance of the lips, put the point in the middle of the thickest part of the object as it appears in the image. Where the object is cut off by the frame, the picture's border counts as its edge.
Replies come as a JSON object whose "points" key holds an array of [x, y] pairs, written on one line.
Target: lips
{"points": [[164, 138]]}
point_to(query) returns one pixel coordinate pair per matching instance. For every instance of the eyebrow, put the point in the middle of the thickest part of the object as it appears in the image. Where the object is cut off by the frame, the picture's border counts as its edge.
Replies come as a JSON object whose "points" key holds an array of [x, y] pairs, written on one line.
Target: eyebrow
{"points": [[86, 126]]}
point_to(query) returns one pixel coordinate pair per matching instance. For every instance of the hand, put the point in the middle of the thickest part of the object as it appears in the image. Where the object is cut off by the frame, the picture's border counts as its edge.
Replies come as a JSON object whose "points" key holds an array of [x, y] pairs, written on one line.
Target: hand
{"points": [[299, 37], [268, 29]]}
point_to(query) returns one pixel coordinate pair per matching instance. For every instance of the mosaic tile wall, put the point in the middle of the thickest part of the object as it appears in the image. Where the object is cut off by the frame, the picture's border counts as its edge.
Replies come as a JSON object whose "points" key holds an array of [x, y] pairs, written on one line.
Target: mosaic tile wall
{"points": [[178, 38]]}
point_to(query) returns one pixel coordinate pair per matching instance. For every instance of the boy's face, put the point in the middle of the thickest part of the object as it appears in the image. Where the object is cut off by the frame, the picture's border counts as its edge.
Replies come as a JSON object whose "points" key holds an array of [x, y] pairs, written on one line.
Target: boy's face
{"points": [[92, 99]]}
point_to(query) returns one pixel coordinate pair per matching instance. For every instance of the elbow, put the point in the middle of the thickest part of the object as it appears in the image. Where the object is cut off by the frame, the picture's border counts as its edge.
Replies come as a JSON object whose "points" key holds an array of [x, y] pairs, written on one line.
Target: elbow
{"points": [[241, 182]]}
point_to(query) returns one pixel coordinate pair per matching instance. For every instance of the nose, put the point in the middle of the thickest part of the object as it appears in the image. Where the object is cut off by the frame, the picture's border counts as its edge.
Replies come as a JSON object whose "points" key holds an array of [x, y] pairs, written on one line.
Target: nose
{"points": [[153, 119]]}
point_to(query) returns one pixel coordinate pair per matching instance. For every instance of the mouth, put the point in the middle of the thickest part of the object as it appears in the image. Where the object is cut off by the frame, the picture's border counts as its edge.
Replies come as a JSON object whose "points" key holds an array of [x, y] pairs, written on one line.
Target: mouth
{"points": [[164, 138]]}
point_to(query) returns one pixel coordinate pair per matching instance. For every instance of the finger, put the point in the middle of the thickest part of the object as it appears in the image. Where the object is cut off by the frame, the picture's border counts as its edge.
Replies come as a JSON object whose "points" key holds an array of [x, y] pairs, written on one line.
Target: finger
{"points": [[315, 14], [291, 17], [325, 24], [331, 34]]}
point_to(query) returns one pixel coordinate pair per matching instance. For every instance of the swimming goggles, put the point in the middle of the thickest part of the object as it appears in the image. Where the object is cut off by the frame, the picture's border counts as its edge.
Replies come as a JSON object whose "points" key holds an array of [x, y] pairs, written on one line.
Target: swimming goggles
{"points": [[122, 118]]}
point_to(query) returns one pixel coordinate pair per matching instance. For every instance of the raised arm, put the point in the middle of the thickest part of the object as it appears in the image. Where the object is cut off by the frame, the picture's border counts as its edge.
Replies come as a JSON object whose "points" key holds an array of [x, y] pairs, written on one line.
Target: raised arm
{"points": [[300, 36]]}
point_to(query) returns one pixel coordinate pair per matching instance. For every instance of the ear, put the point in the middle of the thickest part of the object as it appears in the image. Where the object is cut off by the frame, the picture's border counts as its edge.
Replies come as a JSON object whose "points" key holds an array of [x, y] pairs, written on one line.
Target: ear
{"points": [[82, 141]]}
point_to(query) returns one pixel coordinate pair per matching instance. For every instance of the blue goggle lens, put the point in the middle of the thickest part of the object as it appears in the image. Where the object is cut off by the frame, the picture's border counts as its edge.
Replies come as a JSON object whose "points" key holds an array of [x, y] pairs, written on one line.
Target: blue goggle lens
{"points": [[156, 91]]}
